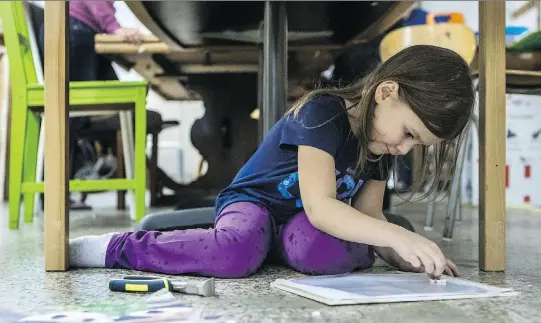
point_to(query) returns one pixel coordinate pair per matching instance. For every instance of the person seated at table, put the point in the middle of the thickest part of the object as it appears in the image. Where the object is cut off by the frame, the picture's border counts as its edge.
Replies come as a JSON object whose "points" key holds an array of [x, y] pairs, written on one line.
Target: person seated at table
{"points": [[86, 19]]}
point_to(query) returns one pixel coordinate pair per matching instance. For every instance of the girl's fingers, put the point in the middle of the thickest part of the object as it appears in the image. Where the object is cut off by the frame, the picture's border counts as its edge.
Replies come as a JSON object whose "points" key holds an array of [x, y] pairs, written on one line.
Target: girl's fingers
{"points": [[427, 261], [437, 251], [415, 261], [420, 269], [440, 259], [453, 268], [439, 262], [448, 271]]}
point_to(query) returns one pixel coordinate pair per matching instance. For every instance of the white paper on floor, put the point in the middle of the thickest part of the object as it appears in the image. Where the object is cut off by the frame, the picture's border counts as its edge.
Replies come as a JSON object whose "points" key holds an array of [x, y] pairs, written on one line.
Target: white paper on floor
{"points": [[385, 288]]}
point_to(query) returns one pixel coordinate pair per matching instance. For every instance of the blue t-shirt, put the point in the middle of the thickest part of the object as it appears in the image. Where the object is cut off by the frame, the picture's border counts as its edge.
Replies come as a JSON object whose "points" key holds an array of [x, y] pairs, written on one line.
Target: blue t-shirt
{"points": [[270, 178]]}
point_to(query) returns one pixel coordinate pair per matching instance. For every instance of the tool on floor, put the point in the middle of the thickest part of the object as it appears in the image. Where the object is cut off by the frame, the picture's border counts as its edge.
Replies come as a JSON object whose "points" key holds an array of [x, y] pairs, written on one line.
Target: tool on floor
{"points": [[145, 284]]}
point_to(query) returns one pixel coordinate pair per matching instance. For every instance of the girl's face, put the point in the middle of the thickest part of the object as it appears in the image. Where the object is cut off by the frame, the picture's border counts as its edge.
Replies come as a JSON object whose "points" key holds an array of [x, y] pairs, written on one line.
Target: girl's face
{"points": [[396, 127]]}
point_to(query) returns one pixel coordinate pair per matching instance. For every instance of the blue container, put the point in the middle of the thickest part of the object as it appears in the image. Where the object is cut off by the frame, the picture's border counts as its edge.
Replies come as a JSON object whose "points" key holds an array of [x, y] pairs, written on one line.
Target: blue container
{"points": [[512, 33]]}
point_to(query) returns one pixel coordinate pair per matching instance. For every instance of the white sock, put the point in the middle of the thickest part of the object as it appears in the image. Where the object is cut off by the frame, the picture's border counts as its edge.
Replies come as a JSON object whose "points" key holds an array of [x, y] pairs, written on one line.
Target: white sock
{"points": [[89, 251]]}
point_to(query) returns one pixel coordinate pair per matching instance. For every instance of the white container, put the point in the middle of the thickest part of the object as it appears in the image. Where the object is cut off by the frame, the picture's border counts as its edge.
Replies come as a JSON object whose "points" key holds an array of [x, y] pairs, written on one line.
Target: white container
{"points": [[170, 159]]}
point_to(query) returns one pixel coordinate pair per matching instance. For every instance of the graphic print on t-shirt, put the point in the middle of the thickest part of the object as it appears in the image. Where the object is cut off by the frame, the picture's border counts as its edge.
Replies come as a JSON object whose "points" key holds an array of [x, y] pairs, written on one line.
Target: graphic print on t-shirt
{"points": [[345, 186], [270, 178]]}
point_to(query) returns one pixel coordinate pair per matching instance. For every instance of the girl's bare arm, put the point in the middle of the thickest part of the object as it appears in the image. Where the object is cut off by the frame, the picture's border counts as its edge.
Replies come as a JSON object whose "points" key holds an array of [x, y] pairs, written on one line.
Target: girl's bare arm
{"points": [[318, 193], [369, 201]]}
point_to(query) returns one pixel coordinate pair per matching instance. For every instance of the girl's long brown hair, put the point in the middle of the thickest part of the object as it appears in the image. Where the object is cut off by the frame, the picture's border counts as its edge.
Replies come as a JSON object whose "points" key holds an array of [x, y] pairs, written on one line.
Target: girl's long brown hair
{"points": [[435, 82]]}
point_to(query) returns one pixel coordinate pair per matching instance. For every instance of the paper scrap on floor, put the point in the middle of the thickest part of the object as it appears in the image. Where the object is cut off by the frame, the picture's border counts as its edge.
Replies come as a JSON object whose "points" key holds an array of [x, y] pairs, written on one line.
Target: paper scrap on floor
{"points": [[385, 288], [161, 306]]}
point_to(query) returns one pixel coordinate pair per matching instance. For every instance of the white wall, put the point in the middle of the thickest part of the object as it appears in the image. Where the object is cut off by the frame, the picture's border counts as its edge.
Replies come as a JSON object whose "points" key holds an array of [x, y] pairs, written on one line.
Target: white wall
{"points": [[528, 20]]}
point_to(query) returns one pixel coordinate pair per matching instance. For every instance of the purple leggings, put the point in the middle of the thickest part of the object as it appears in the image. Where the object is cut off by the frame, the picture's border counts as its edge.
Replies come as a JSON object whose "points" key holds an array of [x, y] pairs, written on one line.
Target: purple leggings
{"points": [[241, 241]]}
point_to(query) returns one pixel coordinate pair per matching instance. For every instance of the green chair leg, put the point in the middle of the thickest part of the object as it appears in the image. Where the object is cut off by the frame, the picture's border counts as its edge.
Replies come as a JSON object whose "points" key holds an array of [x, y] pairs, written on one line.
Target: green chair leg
{"points": [[18, 125], [30, 162], [140, 155]]}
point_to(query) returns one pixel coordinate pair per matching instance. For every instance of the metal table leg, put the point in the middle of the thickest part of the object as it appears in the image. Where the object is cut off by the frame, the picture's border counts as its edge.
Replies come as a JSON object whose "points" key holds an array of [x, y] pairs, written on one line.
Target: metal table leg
{"points": [[454, 202], [260, 89], [459, 209], [429, 222], [274, 64]]}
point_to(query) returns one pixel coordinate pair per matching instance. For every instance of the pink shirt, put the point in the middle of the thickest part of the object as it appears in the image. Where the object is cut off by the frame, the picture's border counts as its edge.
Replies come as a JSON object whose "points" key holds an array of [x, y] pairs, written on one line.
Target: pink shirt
{"points": [[98, 15]]}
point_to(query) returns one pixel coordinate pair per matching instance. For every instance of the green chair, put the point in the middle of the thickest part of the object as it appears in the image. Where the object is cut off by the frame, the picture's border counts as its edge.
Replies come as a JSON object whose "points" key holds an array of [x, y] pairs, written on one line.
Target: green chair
{"points": [[27, 106]]}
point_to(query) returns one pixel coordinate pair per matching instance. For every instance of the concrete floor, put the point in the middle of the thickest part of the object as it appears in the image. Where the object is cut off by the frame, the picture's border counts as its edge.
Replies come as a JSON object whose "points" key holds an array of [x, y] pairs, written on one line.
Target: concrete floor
{"points": [[27, 287]]}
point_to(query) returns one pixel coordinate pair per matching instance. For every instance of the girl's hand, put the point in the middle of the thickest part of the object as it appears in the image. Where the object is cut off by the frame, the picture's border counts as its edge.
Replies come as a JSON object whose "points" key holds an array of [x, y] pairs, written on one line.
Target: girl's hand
{"points": [[450, 270], [422, 253], [393, 259]]}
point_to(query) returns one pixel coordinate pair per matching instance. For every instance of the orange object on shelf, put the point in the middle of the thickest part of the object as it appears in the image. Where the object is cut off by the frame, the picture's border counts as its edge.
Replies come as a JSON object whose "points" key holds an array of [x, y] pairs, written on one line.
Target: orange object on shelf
{"points": [[454, 17]]}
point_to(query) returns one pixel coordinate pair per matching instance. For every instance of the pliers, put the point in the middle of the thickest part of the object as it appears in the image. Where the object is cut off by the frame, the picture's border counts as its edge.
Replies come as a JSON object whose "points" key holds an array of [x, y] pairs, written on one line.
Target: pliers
{"points": [[136, 283]]}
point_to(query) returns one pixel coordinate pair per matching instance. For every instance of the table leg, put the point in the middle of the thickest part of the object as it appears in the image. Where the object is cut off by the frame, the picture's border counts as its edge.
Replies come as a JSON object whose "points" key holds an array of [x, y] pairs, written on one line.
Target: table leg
{"points": [[56, 220], [492, 218], [274, 64]]}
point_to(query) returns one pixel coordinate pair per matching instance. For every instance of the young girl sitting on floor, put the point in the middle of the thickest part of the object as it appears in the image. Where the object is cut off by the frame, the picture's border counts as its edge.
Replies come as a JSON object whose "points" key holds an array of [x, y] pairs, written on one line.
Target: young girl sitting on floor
{"points": [[291, 199]]}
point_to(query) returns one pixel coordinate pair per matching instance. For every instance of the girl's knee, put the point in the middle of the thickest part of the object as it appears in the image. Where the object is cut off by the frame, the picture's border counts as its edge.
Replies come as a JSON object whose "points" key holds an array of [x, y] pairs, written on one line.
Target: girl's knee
{"points": [[244, 253], [240, 265], [244, 232], [311, 251], [324, 256]]}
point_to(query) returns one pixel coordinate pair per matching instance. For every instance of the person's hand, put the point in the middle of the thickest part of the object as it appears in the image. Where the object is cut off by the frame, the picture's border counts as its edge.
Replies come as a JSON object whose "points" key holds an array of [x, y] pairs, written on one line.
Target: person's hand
{"points": [[450, 270], [422, 253], [392, 258], [132, 35]]}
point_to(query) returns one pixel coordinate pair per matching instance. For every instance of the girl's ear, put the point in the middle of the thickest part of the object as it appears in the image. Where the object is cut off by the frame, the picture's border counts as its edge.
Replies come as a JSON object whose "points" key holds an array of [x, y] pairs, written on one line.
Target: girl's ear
{"points": [[386, 90]]}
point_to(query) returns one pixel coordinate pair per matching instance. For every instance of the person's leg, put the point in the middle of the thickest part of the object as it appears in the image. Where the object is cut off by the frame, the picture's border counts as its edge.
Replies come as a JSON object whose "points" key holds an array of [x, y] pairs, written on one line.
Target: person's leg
{"points": [[83, 66], [236, 247], [310, 251], [106, 72]]}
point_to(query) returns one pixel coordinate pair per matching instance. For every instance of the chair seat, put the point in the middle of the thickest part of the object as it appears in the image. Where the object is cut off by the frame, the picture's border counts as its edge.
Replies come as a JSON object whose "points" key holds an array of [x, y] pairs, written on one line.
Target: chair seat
{"points": [[91, 92], [164, 124], [178, 220], [98, 84], [111, 123], [105, 127], [170, 123], [204, 217]]}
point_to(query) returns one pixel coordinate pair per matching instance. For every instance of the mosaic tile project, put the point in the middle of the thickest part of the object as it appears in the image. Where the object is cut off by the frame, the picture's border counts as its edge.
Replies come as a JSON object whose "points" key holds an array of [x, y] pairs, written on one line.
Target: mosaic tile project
{"points": [[386, 288]]}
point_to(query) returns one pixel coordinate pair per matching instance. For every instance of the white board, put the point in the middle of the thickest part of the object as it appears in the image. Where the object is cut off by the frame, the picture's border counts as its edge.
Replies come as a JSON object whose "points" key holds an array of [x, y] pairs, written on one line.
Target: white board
{"points": [[385, 288]]}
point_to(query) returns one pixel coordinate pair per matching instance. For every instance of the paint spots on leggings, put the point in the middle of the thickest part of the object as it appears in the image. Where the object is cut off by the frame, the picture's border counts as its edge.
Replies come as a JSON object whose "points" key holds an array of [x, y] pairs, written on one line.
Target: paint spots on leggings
{"points": [[236, 247], [311, 251]]}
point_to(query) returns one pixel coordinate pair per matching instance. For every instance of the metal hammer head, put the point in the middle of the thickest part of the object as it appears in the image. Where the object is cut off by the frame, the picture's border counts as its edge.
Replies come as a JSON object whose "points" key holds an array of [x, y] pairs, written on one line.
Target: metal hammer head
{"points": [[205, 288]]}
